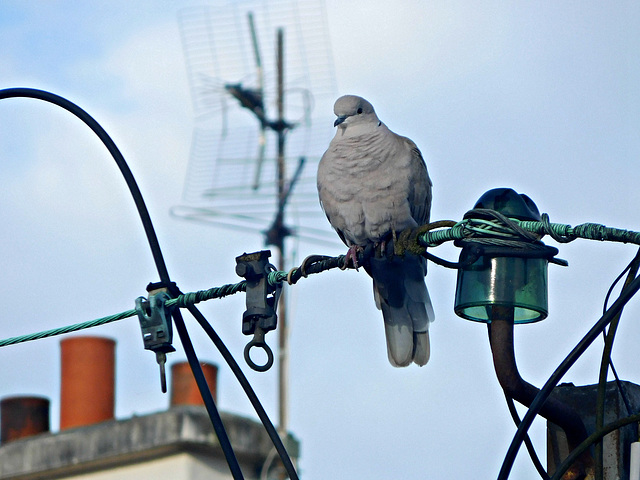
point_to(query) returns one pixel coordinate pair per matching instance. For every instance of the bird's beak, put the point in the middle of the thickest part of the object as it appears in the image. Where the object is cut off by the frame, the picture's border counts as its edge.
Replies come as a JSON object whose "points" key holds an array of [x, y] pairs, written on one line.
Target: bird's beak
{"points": [[339, 120]]}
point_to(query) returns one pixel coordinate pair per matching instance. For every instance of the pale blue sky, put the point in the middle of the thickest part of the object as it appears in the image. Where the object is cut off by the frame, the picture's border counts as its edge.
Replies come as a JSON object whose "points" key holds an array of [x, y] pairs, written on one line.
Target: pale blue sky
{"points": [[539, 97]]}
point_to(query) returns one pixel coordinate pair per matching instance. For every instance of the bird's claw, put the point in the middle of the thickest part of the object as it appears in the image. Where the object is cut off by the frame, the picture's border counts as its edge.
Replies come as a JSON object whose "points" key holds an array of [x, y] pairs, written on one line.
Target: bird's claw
{"points": [[352, 255], [383, 248]]}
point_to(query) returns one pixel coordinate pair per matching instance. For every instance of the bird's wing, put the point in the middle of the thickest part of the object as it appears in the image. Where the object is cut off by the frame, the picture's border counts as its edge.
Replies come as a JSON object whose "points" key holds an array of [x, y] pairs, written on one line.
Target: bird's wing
{"points": [[419, 195], [330, 191]]}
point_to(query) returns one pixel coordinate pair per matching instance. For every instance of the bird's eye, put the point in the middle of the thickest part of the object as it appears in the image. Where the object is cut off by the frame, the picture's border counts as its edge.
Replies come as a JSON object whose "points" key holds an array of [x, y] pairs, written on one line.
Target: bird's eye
{"points": [[359, 111]]}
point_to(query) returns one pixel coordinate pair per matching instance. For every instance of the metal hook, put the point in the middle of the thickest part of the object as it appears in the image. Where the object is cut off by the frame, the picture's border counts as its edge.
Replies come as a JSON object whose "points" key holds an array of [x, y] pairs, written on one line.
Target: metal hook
{"points": [[258, 341]]}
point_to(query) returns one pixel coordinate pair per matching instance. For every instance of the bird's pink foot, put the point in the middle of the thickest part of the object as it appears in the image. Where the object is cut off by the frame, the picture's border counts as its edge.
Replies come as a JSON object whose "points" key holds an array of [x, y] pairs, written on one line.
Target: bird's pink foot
{"points": [[352, 254], [380, 248], [383, 248]]}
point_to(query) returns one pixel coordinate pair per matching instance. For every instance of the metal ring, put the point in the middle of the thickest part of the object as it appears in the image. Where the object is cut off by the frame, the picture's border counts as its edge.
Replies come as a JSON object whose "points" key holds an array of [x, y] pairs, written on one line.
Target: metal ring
{"points": [[303, 265], [291, 272], [251, 363]]}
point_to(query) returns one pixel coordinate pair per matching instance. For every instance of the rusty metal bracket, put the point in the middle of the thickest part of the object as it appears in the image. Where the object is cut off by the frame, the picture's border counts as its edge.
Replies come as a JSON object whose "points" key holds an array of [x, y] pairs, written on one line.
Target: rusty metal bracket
{"points": [[554, 410]]}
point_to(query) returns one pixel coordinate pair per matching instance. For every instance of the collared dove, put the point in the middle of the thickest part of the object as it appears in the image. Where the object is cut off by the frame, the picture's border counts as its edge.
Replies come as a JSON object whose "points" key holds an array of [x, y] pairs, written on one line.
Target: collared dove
{"points": [[372, 184]]}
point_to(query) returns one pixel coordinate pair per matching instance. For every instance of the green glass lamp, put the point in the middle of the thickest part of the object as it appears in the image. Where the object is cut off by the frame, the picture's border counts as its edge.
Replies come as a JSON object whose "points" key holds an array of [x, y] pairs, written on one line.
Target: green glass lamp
{"points": [[503, 280]]}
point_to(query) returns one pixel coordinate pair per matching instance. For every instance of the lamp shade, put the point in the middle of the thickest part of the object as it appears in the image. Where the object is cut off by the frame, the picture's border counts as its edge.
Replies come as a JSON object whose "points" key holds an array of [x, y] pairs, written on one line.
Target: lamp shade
{"points": [[517, 283], [500, 277]]}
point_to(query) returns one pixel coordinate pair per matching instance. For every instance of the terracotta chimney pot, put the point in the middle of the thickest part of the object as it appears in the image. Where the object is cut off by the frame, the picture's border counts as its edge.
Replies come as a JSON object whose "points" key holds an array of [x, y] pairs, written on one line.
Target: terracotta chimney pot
{"points": [[87, 393], [184, 389], [23, 416]]}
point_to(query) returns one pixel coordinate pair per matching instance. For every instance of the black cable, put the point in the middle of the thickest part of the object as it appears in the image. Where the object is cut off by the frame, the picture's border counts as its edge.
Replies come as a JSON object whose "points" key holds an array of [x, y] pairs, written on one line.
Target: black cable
{"points": [[626, 294], [246, 386], [613, 285], [527, 440], [151, 237], [115, 153], [209, 403], [590, 440], [623, 393], [604, 367], [633, 264]]}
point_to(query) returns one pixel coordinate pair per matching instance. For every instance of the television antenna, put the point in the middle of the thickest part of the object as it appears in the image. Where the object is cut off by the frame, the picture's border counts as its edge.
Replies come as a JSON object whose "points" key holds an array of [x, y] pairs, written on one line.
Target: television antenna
{"points": [[240, 174]]}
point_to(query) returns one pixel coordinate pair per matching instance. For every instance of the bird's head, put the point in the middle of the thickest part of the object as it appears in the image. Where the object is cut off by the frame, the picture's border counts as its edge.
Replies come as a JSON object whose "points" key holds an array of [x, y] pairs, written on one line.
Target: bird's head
{"points": [[354, 110]]}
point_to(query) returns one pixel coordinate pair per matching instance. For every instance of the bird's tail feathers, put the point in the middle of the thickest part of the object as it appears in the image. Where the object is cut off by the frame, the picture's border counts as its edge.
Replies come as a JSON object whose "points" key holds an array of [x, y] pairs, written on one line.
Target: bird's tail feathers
{"points": [[401, 293]]}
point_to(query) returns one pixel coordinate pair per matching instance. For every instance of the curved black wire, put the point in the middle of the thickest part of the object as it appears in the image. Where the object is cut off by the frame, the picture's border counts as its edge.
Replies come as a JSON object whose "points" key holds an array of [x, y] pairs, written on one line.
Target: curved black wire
{"points": [[590, 440], [613, 285], [155, 250], [246, 386], [527, 440], [117, 156], [164, 277], [205, 393], [605, 362], [632, 264], [626, 294]]}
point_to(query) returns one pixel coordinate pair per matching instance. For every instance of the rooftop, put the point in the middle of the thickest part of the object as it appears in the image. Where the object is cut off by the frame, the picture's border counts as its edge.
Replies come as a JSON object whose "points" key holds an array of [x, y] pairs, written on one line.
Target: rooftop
{"points": [[139, 439]]}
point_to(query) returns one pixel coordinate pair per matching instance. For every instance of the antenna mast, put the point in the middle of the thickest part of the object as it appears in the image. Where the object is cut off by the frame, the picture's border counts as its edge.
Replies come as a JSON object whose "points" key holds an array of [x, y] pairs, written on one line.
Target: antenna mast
{"points": [[226, 184], [283, 353]]}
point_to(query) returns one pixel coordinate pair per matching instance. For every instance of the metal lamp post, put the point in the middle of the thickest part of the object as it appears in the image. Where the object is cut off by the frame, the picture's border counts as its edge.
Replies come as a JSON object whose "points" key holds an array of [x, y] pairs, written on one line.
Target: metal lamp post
{"points": [[502, 284]]}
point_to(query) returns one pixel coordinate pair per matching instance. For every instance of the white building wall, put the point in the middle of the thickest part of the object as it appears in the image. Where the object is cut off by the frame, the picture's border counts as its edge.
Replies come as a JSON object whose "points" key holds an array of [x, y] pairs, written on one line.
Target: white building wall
{"points": [[181, 466]]}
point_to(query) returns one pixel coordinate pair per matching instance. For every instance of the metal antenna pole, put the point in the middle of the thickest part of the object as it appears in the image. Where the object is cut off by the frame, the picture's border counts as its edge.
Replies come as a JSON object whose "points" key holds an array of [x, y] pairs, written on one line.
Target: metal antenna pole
{"points": [[262, 140], [283, 354], [256, 51]]}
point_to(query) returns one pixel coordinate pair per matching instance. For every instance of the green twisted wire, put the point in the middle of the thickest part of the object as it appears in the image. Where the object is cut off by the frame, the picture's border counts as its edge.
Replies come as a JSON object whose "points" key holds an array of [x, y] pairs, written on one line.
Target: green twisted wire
{"points": [[498, 230], [180, 301], [472, 228]]}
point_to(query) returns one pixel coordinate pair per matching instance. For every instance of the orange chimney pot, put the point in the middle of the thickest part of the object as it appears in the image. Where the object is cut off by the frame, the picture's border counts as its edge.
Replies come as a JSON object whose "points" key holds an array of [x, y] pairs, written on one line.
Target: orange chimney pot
{"points": [[87, 393], [184, 389]]}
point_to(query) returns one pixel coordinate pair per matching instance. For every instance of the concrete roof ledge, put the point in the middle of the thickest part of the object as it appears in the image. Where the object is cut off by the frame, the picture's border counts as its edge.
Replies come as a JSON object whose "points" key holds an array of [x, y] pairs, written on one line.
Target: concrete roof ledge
{"points": [[184, 428]]}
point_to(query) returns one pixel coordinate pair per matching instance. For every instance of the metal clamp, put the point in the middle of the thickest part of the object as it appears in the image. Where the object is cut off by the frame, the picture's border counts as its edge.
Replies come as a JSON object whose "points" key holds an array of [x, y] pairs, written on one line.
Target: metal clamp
{"points": [[262, 301], [157, 332]]}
